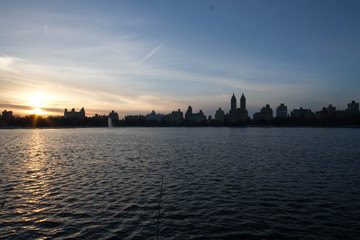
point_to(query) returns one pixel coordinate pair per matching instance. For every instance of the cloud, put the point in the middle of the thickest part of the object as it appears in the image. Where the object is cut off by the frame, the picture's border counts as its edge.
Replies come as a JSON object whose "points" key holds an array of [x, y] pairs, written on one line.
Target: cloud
{"points": [[152, 52], [6, 62]]}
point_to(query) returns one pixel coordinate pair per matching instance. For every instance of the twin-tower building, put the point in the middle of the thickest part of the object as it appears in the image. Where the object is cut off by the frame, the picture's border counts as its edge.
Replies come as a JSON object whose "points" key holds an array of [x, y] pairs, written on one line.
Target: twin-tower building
{"points": [[236, 115]]}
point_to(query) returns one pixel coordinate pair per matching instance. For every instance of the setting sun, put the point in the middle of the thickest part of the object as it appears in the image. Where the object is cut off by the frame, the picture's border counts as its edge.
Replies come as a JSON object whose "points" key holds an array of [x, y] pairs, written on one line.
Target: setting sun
{"points": [[37, 111], [37, 102]]}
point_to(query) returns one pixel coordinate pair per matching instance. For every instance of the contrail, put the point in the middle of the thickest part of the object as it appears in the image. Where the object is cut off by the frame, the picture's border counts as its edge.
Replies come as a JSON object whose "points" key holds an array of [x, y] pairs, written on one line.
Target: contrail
{"points": [[164, 65], [45, 29], [152, 52]]}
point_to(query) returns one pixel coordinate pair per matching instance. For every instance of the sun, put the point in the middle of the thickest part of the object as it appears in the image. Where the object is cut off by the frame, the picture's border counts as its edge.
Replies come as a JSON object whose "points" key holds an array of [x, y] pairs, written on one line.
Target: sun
{"points": [[37, 102], [37, 111]]}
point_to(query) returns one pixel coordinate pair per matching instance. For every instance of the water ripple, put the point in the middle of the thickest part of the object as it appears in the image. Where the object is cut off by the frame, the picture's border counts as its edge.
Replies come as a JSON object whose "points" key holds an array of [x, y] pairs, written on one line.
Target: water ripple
{"points": [[219, 183]]}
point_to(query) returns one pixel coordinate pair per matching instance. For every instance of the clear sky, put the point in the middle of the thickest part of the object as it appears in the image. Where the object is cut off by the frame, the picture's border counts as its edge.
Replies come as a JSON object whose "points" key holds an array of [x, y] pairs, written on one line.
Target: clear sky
{"points": [[138, 56]]}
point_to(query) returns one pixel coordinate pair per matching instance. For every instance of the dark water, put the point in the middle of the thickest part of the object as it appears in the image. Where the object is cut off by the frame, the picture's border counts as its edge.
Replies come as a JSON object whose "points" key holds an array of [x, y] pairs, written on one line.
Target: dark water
{"points": [[218, 183]]}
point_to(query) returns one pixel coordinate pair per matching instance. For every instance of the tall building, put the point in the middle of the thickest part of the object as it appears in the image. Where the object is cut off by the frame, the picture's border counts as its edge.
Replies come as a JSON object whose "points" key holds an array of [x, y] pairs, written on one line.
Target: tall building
{"points": [[188, 114], [219, 116], [7, 115], [191, 117], [153, 116], [199, 117], [175, 117], [281, 111], [243, 102], [238, 115], [353, 107], [74, 114], [265, 114], [331, 109], [302, 113], [326, 113], [233, 103], [114, 116]]}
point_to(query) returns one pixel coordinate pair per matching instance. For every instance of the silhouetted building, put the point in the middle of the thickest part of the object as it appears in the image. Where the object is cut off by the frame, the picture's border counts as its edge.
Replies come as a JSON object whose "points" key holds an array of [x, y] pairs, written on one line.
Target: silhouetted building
{"points": [[281, 111], [74, 114], [233, 103], [238, 115], [7, 115], [302, 114], [326, 113], [114, 116], [134, 120], [219, 116], [191, 117], [199, 117], [265, 114], [242, 102], [331, 109], [353, 107], [174, 118], [188, 114], [134, 117], [154, 117], [100, 117]]}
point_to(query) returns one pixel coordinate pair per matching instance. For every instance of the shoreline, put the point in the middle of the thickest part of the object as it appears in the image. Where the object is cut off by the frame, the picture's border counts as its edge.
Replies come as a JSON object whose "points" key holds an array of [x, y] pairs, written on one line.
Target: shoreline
{"points": [[118, 127]]}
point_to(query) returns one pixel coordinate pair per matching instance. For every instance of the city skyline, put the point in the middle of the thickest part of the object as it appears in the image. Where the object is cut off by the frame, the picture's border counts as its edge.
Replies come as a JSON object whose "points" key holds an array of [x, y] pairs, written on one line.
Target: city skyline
{"points": [[235, 114], [134, 57], [328, 116], [238, 111]]}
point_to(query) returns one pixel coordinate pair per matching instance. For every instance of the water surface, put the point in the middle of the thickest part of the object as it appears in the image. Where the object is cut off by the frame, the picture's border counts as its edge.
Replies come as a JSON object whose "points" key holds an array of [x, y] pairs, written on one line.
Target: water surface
{"points": [[218, 183]]}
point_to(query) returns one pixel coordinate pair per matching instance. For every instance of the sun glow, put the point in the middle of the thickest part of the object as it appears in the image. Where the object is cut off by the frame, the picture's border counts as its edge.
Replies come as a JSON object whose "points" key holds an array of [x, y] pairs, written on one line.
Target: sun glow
{"points": [[37, 102], [38, 111]]}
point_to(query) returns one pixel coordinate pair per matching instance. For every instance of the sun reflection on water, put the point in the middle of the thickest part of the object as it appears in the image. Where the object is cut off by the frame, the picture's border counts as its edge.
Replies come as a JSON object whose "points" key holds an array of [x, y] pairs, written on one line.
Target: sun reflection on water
{"points": [[34, 183]]}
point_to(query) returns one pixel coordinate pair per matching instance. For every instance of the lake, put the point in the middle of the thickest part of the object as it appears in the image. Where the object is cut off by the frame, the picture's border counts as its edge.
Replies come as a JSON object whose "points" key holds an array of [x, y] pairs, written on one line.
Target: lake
{"points": [[209, 183]]}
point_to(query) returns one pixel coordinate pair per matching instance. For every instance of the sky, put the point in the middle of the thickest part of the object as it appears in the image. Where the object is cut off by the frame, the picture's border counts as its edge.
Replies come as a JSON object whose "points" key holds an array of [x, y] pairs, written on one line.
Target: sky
{"points": [[137, 56]]}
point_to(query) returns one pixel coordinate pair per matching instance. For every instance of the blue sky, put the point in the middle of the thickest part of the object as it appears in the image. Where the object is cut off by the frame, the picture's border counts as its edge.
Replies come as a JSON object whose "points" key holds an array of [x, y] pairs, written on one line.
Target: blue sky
{"points": [[138, 56]]}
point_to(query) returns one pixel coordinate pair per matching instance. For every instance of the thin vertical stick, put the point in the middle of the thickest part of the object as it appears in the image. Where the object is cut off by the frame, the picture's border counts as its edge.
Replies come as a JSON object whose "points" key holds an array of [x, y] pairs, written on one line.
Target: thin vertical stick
{"points": [[158, 220]]}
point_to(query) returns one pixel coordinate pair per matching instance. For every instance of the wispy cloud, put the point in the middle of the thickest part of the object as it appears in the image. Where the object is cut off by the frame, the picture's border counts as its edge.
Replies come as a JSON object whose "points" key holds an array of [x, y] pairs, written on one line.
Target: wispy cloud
{"points": [[152, 52], [6, 62]]}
